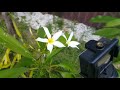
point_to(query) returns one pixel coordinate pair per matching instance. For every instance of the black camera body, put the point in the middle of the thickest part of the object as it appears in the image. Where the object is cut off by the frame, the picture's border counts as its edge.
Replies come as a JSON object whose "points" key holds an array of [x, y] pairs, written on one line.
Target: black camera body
{"points": [[96, 61]]}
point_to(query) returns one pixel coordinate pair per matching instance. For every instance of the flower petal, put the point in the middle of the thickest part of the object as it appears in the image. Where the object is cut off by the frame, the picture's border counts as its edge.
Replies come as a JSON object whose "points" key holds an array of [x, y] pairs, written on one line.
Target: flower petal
{"points": [[70, 37], [42, 39], [57, 35], [64, 37], [73, 44], [47, 32], [49, 47], [58, 44]]}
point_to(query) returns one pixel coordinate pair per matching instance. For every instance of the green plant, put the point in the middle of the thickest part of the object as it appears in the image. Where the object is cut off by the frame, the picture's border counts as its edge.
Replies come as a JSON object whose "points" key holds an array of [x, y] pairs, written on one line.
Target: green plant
{"points": [[110, 28], [26, 57]]}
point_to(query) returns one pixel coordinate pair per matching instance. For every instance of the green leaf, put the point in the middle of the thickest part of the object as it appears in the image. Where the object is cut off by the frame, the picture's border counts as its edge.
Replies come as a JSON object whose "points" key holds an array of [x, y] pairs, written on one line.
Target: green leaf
{"points": [[49, 26], [12, 73], [67, 35], [41, 33], [108, 32], [10, 42], [54, 74], [60, 22], [66, 74], [113, 23], [62, 40], [102, 19], [24, 62], [53, 53], [66, 67]]}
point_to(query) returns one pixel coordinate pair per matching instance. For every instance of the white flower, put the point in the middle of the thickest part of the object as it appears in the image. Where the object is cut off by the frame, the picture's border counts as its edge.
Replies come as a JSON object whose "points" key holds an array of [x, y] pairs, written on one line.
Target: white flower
{"points": [[70, 43], [51, 40]]}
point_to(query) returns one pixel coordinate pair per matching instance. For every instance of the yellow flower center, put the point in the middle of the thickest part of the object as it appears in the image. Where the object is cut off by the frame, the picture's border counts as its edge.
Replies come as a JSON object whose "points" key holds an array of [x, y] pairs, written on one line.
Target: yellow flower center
{"points": [[67, 42], [51, 41]]}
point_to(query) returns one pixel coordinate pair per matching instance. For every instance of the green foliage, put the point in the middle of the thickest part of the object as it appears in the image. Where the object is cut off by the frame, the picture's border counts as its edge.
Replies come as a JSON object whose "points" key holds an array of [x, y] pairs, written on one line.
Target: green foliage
{"points": [[49, 26], [1, 49], [62, 39], [12, 73], [66, 66], [10, 42], [66, 74], [110, 29], [68, 61], [25, 62], [102, 19], [113, 23], [29, 58], [54, 52], [108, 32], [2, 24], [41, 34], [58, 22]]}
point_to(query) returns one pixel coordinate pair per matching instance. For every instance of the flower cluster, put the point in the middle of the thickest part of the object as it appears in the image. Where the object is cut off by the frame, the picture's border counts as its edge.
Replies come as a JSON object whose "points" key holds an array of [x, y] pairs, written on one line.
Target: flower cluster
{"points": [[52, 40]]}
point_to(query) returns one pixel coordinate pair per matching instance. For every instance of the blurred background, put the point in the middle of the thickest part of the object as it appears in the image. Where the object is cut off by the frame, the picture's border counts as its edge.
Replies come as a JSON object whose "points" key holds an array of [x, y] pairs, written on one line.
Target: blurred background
{"points": [[83, 17]]}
